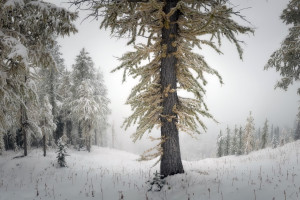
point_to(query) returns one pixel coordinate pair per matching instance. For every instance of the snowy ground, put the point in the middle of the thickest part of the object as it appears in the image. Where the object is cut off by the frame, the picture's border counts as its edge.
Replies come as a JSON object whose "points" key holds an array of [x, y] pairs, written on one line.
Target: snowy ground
{"points": [[106, 174]]}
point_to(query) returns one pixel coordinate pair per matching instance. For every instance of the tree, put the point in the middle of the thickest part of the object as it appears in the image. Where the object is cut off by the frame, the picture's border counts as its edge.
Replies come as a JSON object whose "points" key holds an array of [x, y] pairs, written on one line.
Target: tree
{"points": [[100, 90], [270, 138], [89, 104], [264, 135], [27, 27], [234, 142], [275, 139], [284, 136], [297, 131], [86, 109], [257, 139], [220, 145], [65, 94], [61, 153], [47, 121], [227, 142], [113, 136], [83, 70], [51, 78], [286, 59], [248, 135], [240, 149], [172, 29]]}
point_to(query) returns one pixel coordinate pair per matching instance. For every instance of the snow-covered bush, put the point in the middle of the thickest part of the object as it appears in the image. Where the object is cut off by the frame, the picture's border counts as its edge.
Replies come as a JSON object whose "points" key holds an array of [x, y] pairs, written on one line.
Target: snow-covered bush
{"points": [[157, 183]]}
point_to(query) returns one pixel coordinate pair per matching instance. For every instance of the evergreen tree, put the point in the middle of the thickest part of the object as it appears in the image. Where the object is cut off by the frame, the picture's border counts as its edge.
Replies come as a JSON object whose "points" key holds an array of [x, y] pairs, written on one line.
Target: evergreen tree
{"points": [[257, 138], [86, 109], [26, 29], [101, 92], [248, 135], [275, 139], [47, 121], [220, 145], [113, 136], [227, 142], [286, 59], [65, 94], [234, 142], [284, 136], [274, 142], [50, 80], [271, 135], [173, 28], [61, 153], [83, 71], [89, 104], [297, 131], [240, 149], [264, 135]]}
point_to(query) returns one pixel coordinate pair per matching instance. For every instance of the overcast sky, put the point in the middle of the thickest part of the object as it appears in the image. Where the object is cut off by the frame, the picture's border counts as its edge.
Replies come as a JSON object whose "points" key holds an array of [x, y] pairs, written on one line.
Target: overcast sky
{"points": [[247, 87]]}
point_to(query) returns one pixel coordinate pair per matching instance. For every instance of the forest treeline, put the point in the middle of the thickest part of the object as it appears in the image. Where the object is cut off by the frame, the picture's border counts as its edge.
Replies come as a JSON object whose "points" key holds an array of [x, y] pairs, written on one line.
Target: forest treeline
{"points": [[241, 140]]}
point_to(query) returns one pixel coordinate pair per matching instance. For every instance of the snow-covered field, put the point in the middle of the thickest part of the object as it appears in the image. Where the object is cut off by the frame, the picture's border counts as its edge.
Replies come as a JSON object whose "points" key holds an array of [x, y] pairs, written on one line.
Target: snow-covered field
{"points": [[112, 175]]}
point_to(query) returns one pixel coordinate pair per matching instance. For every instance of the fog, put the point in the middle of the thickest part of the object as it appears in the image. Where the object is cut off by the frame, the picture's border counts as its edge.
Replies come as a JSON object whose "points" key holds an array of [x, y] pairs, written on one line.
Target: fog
{"points": [[247, 87]]}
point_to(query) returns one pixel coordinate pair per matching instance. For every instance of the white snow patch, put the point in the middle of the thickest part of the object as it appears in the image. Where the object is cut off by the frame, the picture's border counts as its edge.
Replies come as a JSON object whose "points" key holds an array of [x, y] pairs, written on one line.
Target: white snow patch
{"points": [[111, 174]]}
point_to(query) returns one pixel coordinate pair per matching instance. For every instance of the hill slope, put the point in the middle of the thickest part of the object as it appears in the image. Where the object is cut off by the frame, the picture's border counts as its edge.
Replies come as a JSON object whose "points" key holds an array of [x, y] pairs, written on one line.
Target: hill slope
{"points": [[111, 174]]}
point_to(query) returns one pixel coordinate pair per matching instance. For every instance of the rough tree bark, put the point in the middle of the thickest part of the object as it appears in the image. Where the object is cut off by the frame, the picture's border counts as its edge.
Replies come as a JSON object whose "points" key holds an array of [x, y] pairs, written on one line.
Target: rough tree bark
{"points": [[44, 145], [171, 159], [24, 125]]}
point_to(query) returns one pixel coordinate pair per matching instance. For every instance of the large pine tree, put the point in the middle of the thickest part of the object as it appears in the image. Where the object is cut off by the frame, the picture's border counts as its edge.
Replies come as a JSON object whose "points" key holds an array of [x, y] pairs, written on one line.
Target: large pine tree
{"points": [[286, 59], [89, 104], [50, 80], [172, 29], [65, 94]]}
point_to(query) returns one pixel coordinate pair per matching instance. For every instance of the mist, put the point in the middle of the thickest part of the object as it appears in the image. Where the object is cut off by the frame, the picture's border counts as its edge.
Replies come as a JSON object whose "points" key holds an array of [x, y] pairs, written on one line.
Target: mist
{"points": [[247, 86]]}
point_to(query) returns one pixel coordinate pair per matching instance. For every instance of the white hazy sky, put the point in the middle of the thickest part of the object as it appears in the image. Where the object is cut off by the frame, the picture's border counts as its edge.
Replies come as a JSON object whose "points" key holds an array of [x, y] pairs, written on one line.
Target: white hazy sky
{"points": [[247, 86]]}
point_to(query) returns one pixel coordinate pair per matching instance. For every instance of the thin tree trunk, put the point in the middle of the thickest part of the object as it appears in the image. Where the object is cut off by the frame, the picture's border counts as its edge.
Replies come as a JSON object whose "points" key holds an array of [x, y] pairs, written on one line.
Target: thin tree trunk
{"points": [[80, 135], [171, 159], [44, 145], [113, 136], [24, 127], [96, 137], [56, 133]]}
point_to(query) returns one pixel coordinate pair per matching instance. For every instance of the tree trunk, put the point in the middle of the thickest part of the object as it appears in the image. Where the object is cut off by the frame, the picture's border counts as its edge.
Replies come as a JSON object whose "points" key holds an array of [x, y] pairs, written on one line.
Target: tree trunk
{"points": [[69, 127], [59, 129], [171, 159], [44, 145], [24, 127], [96, 137], [89, 143], [56, 133]]}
